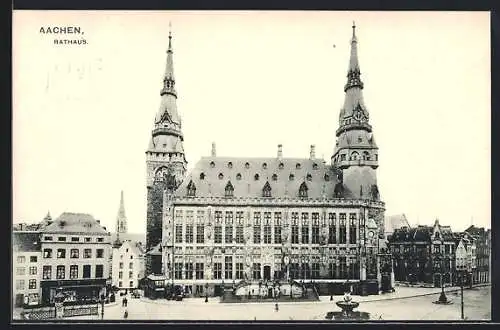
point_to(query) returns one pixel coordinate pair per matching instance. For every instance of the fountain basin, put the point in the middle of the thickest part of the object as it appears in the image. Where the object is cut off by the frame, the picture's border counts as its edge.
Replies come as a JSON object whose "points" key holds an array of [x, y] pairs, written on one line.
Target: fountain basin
{"points": [[347, 306]]}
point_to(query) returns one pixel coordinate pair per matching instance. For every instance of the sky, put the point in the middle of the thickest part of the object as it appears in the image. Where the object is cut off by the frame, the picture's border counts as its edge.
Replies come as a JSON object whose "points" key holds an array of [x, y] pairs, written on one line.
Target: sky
{"points": [[248, 81]]}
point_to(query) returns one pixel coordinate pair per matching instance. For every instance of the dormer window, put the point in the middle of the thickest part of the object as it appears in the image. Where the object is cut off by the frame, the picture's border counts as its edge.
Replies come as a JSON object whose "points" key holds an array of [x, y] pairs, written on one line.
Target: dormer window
{"points": [[256, 177], [229, 189], [238, 176], [247, 165], [191, 189], [291, 177], [303, 190], [309, 177], [266, 191], [315, 166], [221, 176], [230, 165], [281, 166], [202, 176], [264, 166], [275, 177], [212, 164], [360, 139], [297, 166]]}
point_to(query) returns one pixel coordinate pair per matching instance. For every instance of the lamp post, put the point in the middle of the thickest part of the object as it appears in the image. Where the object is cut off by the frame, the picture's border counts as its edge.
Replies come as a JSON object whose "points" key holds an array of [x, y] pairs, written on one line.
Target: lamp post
{"points": [[462, 294], [102, 307]]}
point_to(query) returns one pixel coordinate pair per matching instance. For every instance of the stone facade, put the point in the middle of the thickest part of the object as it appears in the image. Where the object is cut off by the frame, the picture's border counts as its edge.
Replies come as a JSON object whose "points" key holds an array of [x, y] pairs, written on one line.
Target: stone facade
{"points": [[264, 219]]}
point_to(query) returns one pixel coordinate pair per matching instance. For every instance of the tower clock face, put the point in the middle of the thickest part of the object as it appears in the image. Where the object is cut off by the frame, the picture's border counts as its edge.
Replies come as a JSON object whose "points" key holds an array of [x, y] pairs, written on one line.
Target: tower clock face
{"points": [[370, 234]]}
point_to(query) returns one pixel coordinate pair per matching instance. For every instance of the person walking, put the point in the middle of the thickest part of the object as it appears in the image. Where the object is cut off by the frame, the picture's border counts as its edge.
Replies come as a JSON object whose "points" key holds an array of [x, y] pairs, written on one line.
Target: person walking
{"points": [[125, 301], [125, 315]]}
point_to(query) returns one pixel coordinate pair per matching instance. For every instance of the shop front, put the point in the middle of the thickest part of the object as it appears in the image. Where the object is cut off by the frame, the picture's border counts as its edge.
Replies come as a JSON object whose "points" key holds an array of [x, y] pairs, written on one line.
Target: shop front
{"points": [[74, 291]]}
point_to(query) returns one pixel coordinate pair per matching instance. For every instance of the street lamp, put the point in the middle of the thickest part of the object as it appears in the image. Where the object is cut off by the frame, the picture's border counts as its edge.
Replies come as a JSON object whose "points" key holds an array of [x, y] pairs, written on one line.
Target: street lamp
{"points": [[102, 307]]}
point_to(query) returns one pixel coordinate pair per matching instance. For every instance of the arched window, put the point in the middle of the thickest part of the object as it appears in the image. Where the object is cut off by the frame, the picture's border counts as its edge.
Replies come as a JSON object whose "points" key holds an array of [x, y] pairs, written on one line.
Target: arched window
{"points": [[212, 164], [229, 189], [354, 155], [230, 165], [281, 166], [275, 177], [297, 166], [191, 189], [309, 177], [256, 177], [376, 157], [266, 191], [342, 157], [221, 176], [202, 176], [247, 165], [303, 190], [291, 177], [366, 155], [264, 166], [238, 176]]}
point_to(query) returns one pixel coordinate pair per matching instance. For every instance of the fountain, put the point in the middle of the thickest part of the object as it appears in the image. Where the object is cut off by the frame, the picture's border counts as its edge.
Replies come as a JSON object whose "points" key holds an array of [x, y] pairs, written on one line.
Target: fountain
{"points": [[348, 305]]}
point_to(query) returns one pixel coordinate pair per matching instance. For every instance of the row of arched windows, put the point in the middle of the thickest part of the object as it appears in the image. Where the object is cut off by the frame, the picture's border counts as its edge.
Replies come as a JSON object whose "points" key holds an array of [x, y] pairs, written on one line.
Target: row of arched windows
{"points": [[365, 155]]}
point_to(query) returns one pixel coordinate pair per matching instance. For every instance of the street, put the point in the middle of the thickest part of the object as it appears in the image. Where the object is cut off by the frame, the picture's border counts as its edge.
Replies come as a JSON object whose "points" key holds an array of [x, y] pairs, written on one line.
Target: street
{"points": [[404, 304]]}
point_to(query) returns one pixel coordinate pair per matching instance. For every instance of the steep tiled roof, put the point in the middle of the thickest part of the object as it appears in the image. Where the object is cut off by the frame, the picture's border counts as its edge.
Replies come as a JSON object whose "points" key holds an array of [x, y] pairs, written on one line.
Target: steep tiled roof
{"points": [[394, 222], [75, 223], [248, 177], [26, 241]]}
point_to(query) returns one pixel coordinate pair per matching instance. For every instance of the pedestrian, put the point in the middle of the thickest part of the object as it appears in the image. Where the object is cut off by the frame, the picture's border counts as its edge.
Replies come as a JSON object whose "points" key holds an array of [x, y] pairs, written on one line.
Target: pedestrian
{"points": [[125, 315], [276, 308], [125, 301]]}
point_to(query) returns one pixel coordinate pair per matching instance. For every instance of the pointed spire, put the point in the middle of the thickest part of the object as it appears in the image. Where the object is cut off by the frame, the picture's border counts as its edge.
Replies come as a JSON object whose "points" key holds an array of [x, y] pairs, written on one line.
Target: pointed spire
{"points": [[121, 219], [48, 217], [353, 73], [169, 78]]}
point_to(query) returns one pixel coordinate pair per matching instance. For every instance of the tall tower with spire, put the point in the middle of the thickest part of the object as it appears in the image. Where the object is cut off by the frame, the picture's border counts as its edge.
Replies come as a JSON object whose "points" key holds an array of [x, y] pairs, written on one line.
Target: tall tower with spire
{"points": [[165, 160], [121, 218], [356, 153]]}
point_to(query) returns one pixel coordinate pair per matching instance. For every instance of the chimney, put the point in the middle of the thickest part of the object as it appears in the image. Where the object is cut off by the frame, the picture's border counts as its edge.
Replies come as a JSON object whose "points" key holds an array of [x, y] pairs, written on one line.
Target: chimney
{"points": [[213, 149], [280, 151], [312, 154]]}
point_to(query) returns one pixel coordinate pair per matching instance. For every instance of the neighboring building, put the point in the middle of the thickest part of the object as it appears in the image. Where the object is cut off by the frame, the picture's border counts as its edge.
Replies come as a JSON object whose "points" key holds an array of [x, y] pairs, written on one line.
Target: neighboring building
{"points": [[394, 222], [33, 226], [75, 254], [465, 258], [482, 239], [265, 218], [423, 254], [26, 270], [129, 266]]}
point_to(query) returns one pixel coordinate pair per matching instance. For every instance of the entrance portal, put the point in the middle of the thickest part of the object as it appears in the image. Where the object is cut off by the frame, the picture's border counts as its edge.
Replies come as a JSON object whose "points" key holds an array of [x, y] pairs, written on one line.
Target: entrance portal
{"points": [[267, 272]]}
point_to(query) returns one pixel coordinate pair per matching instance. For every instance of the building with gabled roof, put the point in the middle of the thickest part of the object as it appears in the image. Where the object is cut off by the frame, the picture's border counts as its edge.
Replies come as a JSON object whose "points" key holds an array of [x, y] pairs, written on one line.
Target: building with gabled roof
{"points": [[128, 264], [75, 257], [265, 218]]}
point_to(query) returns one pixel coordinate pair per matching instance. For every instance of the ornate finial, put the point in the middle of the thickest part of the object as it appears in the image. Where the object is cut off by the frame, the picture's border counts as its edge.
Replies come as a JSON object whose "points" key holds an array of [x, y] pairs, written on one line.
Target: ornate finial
{"points": [[353, 29], [170, 35]]}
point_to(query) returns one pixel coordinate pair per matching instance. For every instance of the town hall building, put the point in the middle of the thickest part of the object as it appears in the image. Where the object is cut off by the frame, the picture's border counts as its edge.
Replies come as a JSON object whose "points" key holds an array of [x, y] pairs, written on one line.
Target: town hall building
{"points": [[269, 218]]}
